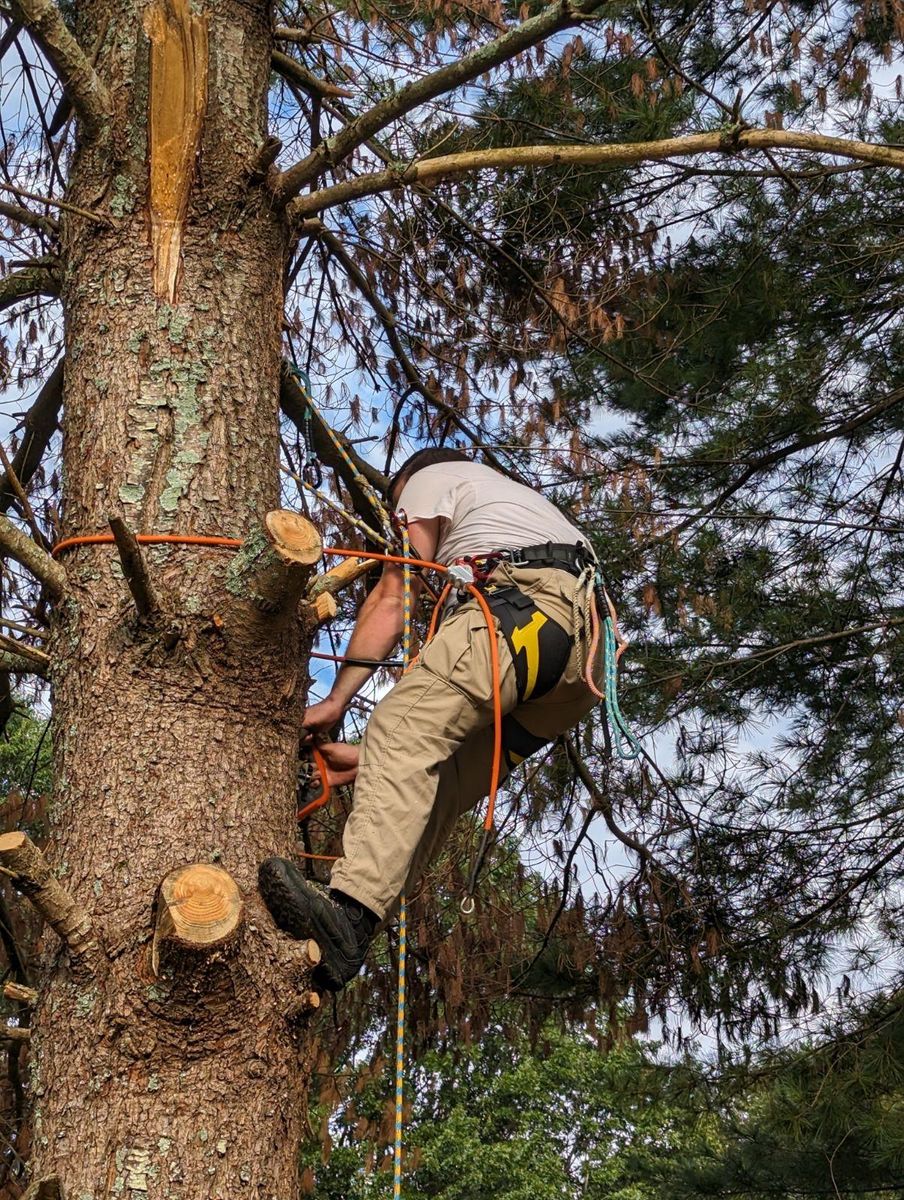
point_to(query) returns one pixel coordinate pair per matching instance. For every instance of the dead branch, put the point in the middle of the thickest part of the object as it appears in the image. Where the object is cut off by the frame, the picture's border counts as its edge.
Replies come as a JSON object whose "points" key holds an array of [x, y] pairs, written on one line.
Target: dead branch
{"points": [[38, 661], [30, 872], [295, 407], [300, 37], [90, 98], [275, 562], [135, 570], [264, 160], [18, 664], [286, 66], [20, 994], [25, 550], [40, 424], [199, 913], [39, 280], [15, 1033], [536, 29], [390, 328], [21, 495], [447, 166], [24, 216]]}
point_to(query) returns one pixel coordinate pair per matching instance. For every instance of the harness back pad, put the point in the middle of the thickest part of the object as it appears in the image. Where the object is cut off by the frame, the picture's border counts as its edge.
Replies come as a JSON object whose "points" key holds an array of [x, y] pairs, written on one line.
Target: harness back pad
{"points": [[539, 646]]}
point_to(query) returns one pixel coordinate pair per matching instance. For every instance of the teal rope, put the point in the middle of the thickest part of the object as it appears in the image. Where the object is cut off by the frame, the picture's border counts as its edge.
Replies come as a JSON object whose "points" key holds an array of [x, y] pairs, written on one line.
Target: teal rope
{"points": [[403, 915], [626, 744]]}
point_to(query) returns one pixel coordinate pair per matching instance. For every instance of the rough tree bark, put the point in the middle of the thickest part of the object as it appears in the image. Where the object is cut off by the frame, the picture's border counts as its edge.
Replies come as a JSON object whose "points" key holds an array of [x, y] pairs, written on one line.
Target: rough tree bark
{"points": [[176, 739]]}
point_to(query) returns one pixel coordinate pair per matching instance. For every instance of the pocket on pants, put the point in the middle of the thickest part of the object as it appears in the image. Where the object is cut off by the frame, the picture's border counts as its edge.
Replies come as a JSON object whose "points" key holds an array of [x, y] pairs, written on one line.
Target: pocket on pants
{"points": [[460, 656]]}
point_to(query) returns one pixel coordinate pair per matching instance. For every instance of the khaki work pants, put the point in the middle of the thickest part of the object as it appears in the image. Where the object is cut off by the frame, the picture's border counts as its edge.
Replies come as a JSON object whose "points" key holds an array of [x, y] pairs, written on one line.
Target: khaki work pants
{"points": [[428, 748]]}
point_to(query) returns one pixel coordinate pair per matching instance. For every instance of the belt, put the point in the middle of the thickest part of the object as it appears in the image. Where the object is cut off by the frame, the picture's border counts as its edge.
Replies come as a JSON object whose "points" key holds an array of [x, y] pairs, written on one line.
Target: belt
{"points": [[563, 556]]}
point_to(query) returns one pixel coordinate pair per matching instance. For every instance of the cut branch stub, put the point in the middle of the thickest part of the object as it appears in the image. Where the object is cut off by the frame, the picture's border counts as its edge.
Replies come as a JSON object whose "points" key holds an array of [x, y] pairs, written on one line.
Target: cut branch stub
{"points": [[199, 914], [30, 872], [338, 578], [135, 570], [274, 563]]}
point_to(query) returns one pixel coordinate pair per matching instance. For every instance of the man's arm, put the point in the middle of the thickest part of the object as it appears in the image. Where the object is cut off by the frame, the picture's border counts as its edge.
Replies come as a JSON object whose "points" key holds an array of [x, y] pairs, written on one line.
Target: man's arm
{"points": [[377, 630]]}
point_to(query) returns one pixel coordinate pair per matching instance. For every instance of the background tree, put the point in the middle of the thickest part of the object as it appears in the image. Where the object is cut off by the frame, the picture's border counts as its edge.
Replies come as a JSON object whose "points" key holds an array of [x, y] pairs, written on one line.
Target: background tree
{"points": [[405, 244]]}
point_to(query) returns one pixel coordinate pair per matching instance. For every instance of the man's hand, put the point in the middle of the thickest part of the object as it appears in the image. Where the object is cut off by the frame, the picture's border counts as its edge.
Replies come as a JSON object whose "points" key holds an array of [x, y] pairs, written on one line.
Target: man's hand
{"points": [[322, 717], [341, 762]]}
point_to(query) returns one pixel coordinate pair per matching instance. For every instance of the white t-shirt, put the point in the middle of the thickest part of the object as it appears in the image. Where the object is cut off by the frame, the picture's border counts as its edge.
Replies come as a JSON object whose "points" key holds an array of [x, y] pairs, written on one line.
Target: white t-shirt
{"points": [[482, 510]]}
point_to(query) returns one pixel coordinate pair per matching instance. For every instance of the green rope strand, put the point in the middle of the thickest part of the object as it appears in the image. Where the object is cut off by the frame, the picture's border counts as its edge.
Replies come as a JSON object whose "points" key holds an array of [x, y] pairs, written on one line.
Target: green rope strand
{"points": [[626, 744]]}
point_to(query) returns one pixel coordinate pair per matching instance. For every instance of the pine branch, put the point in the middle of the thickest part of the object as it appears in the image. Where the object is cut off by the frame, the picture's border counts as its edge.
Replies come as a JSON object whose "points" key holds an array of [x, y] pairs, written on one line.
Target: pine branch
{"points": [[536, 29], [503, 158], [39, 280], [842, 429], [40, 424], [25, 550], [18, 664], [89, 96], [388, 322]]}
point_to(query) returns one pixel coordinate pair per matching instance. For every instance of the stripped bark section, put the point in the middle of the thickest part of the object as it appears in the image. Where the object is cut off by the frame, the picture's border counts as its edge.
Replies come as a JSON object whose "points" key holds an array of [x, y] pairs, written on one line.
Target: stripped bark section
{"points": [[178, 102]]}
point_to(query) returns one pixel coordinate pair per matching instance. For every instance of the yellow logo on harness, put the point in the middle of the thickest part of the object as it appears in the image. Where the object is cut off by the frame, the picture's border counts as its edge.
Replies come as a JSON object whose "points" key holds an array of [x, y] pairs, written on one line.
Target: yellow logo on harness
{"points": [[527, 638]]}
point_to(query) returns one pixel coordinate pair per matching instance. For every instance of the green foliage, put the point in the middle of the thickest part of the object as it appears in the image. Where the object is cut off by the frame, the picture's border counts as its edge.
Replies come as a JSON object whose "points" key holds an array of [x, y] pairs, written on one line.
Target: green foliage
{"points": [[25, 755], [567, 1120]]}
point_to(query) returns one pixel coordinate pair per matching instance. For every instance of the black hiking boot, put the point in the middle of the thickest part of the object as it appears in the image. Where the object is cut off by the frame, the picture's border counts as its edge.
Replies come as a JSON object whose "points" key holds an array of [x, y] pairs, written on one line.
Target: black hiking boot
{"points": [[341, 927]]}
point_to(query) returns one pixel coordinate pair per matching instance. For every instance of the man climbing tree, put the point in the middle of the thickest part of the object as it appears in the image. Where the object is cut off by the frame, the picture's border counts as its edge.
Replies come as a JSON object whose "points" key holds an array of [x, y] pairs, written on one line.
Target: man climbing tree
{"points": [[427, 756], [436, 207]]}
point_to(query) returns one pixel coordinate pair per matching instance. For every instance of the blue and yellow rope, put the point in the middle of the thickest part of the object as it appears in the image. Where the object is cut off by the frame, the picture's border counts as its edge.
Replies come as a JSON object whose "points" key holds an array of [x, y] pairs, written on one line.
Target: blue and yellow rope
{"points": [[403, 916]]}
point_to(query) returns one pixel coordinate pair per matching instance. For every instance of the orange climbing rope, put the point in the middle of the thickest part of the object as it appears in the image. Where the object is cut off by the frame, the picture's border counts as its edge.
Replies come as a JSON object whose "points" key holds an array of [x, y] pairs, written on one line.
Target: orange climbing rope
{"points": [[147, 539], [155, 539]]}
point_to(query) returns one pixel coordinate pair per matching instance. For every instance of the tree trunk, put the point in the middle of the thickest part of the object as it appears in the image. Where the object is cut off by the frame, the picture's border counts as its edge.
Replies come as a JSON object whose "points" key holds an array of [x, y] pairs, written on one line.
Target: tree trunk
{"points": [[175, 730]]}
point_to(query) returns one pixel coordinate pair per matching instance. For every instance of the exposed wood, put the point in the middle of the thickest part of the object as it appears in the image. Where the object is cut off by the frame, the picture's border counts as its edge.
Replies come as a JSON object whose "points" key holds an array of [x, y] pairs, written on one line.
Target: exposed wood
{"points": [[300, 75], [30, 872], [15, 1033], [135, 570], [616, 154], [275, 562], [20, 993], [25, 550], [39, 280], [177, 106], [338, 578], [324, 608], [89, 97], [199, 914]]}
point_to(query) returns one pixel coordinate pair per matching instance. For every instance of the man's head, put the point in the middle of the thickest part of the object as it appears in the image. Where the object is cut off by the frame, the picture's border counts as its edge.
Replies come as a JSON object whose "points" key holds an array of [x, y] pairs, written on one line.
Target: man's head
{"points": [[420, 459]]}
